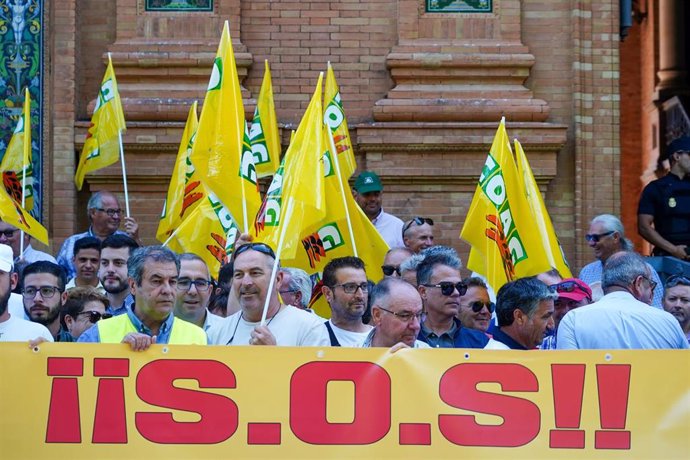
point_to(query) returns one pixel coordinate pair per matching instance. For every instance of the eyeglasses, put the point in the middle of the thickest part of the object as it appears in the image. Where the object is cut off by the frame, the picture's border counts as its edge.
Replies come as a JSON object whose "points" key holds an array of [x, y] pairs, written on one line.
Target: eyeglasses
{"points": [[447, 287], [260, 247], [185, 284], [569, 286], [46, 292], [404, 316], [351, 288], [478, 305], [8, 233], [388, 270], [95, 316], [418, 221], [595, 237], [110, 212], [652, 283]]}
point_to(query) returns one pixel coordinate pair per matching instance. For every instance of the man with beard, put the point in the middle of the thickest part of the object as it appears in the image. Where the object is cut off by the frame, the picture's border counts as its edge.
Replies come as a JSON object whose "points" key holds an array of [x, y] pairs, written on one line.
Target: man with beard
{"points": [[152, 274], [677, 301], [12, 327], [345, 289], [285, 325], [194, 288], [87, 254], [112, 273], [43, 292]]}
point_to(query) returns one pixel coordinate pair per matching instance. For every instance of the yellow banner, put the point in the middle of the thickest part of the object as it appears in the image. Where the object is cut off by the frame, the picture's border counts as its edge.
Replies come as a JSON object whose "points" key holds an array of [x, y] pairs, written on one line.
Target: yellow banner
{"points": [[82, 401]]}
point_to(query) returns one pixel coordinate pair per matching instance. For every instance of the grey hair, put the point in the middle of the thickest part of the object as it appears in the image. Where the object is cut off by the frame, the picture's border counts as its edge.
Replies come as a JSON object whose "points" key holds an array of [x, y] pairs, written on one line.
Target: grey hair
{"points": [[622, 268], [444, 250], [524, 294], [411, 264], [430, 262], [612, 223], [136, 262], [300, 281]]}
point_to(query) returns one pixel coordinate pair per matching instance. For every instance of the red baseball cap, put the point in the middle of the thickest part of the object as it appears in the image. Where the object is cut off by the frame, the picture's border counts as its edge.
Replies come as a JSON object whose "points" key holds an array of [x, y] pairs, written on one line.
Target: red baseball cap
{"points": [[574, 289]]}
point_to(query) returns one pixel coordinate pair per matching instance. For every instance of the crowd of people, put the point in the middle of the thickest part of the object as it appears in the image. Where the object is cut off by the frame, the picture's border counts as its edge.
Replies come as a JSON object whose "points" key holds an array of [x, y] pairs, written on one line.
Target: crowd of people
{"points": [[106, 286]]}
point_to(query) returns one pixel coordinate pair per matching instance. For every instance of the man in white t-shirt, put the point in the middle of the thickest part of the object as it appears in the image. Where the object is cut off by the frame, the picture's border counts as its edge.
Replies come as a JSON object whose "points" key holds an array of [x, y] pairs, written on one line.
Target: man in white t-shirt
{"points": [[285, 325], [14, 328], [345, 289]]}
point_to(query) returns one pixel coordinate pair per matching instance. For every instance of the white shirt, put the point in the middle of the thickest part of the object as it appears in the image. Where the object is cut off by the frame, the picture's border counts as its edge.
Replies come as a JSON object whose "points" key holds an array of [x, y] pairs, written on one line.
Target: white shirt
{"points": [[291, 327], [349, 338], [21, 330], [211, 321], [390, 229], [32, 255], [16, 306], [619, 321]]}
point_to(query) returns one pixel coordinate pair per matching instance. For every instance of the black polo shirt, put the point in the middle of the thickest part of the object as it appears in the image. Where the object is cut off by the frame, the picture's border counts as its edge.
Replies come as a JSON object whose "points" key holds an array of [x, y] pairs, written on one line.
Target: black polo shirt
{"points": [[668, 200]]}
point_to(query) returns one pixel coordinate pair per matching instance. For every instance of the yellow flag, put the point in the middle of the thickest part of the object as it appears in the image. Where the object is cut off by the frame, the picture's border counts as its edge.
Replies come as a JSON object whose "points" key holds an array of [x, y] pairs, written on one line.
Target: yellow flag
{"points": [[263, 135], [540, 216], [334, 117], [499, 227], [184, 191], [218, 155], [12, 213], [17, 169], [331, 237], [208, 231], [295, 198], [102, 145]]}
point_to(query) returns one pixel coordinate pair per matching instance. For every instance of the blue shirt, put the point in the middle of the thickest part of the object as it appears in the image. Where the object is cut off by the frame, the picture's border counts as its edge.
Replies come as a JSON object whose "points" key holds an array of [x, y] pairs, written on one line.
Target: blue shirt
{"points": [[66, 254], [93, 336], [592, 273], [122, 309]]}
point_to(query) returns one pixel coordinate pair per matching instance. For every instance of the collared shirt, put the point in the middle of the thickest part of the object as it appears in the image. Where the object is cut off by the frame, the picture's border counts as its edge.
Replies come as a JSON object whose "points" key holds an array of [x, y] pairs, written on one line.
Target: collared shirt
{"points": [[500, 336], [445, 340], [619, 321], [122, 309], [32, 255], [64, 336], [163, 336], [592, 273], [66, 254], [390, 229], [370, 338]]}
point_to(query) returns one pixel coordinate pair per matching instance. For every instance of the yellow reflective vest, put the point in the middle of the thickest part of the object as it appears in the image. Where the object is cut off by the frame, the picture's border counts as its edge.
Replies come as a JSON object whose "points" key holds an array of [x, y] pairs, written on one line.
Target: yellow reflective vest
{"points": [[113, 330]]}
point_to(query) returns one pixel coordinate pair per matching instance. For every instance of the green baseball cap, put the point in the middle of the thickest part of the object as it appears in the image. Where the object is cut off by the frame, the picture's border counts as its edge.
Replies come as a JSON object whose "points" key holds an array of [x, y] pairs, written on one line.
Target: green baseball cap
{"points": [[368, 181]]}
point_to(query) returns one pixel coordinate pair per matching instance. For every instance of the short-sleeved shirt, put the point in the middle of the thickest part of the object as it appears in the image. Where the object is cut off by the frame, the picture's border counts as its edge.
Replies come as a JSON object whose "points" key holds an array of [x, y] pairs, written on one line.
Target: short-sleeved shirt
{"points": [[668, 200], [390, 229]]}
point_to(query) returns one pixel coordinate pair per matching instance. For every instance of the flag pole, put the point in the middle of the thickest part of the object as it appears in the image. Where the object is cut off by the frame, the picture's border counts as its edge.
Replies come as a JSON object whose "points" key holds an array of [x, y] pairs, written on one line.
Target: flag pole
{"points": [[342, 189], [281, 239], [124, 172], [24, 179]]}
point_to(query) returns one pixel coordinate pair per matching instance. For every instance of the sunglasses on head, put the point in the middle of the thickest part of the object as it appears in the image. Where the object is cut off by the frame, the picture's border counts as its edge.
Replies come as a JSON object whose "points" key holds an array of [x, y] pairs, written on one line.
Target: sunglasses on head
{"points": [[388, 270], [478, 305], [95, 316], [569, 286], [448, 287], [595, 237], [418, 221], [260, 247]]}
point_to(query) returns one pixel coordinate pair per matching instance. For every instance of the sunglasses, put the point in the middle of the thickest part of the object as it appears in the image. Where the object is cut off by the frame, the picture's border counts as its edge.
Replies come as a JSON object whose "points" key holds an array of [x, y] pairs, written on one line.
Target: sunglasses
{"points": [[675, 280], [388, 270], [418, 221], [259, 247], [595, 237], [95, 316], [478, 305], [569, 286], [8, 233], [447, 287]]}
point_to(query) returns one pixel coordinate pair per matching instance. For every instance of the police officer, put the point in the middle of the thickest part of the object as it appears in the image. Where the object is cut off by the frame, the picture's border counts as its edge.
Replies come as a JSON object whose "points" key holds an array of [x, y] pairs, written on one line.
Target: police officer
{"points": [[663, 216]]}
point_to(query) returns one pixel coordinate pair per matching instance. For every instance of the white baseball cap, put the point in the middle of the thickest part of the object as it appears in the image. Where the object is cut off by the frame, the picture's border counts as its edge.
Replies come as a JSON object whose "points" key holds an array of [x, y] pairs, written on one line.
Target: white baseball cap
{"points": [[6, 258]]}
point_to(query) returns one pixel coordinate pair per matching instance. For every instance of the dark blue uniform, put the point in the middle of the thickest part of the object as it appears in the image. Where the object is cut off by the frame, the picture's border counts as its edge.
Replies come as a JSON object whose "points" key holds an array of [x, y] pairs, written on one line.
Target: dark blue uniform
{"points": [[668, 200]]}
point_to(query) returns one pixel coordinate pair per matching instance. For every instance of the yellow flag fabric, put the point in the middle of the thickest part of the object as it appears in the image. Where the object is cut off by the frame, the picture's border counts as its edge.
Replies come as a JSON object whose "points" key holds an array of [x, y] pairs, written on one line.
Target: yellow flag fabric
{"points": [[505, 242], [184, 189], [102, 145], [12, 213], [263, 135], [540, 216], [217, 153], [17, 169], [208, 231], [295, 198], [334, 117]]}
